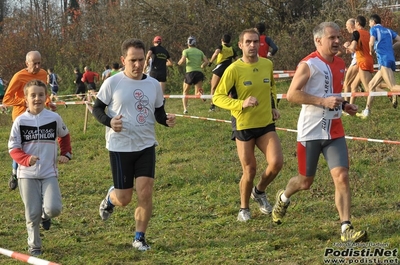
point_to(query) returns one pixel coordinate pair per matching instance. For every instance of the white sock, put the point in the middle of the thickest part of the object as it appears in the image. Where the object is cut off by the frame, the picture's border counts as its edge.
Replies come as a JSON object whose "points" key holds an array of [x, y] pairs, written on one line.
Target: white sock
{"points": [[344, 226], [14, 171], [284, 198]]}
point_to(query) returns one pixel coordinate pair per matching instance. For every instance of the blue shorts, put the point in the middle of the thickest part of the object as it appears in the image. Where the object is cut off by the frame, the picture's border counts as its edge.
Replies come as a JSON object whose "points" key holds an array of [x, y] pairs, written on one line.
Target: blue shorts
{"points": [[54, 90], [383, 61]]}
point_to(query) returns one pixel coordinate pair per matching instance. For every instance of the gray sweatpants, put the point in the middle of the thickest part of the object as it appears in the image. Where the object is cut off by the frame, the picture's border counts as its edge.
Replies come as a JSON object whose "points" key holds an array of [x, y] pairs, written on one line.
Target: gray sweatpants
{"points": [[42, 199]]}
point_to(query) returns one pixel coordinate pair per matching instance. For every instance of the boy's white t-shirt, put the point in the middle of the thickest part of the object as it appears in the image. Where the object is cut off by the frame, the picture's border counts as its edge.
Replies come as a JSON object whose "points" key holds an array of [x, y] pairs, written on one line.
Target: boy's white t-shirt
{"points": [[37, 135]]}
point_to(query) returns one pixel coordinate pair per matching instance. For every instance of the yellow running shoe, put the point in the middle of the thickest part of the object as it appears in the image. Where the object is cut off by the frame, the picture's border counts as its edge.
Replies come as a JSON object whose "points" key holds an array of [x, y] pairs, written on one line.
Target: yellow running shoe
{"points": [[394, 101], [279, 210], [364, 114], [353, 236]]}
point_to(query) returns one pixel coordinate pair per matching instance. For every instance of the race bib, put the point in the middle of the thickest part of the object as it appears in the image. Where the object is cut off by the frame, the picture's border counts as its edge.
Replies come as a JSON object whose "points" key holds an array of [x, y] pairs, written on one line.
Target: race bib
{"points": [[332, 114]]}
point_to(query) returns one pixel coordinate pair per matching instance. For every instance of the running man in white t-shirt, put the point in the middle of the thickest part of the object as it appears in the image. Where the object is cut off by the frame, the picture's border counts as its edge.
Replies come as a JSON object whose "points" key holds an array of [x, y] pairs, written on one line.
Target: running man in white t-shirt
{"points": [[134, 104]]}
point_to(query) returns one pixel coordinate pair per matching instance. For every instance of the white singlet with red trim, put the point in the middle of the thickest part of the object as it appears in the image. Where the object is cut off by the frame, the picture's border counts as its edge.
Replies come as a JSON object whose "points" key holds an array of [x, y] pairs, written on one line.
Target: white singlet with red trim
{"points": [[326, 78]]}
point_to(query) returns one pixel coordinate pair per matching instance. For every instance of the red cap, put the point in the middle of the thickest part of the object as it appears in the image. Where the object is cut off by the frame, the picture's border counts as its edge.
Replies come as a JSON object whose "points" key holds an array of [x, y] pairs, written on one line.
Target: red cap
{"points": [[157, 39]]}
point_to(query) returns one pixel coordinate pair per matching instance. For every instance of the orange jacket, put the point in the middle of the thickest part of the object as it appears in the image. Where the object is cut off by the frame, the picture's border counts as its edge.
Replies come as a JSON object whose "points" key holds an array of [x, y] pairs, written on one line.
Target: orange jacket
{"points": [[15, 96]]}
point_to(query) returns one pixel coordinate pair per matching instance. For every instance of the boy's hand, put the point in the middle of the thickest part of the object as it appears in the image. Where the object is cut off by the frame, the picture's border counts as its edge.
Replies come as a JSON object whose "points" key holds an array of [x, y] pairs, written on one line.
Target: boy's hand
{"points": [[33, 159], [63, 159]]}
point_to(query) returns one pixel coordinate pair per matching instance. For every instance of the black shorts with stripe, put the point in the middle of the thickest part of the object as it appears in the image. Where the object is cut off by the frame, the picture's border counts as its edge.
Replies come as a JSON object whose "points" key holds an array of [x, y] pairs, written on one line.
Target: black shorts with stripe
{"points": [[126, 166]]}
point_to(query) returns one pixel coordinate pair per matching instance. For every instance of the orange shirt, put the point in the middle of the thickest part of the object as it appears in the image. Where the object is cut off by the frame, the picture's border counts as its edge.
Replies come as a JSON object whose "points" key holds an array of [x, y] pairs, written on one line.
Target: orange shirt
{"points": [[15, 96], [364, 59]]}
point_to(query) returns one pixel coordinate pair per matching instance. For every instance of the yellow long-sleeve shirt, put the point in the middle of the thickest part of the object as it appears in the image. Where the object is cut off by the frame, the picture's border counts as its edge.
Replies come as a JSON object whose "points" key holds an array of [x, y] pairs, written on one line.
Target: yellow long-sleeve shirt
{"points": [[248, 79]]}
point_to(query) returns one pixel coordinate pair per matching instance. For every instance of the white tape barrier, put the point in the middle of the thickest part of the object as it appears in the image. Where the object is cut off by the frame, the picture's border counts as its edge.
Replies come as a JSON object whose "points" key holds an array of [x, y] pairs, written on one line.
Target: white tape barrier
{"points": [[25, 258], [291, 130]]}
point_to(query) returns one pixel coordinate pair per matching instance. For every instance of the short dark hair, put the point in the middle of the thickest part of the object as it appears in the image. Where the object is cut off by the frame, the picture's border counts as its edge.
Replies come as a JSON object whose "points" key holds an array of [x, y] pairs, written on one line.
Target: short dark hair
{"points": [[226, 38], [361, 20], [115, 66], [35, 82], [260, 27], [376, 18], [251, 31], [136, 43]]}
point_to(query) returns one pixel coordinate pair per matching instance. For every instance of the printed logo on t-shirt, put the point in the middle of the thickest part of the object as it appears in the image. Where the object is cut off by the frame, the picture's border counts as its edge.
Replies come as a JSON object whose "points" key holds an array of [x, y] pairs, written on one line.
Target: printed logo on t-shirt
{"points": [[44, 132], [141, 106]]}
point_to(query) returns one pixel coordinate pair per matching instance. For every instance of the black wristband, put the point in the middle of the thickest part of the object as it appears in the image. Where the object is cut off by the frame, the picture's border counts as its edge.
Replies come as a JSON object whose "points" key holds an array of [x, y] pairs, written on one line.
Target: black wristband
{"points": [[344, 104], [68, 155]]}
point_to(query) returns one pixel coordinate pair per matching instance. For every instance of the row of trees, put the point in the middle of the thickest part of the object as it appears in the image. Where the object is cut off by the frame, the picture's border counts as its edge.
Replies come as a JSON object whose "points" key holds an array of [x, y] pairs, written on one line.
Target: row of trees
{"points": [[72, 33]]}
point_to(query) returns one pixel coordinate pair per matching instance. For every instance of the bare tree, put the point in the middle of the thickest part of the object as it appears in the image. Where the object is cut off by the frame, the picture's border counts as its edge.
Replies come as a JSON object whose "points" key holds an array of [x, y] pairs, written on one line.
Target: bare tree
{"points": [[89, 32]]}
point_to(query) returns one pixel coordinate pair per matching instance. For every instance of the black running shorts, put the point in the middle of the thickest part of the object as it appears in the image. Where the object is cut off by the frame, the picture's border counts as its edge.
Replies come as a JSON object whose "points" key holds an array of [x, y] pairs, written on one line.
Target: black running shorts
{"points": [[126, 166]]}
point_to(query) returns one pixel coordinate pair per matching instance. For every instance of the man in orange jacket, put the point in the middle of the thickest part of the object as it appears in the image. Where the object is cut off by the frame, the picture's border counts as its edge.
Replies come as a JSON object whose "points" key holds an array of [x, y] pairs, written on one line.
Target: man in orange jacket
{"points": [[14, 95]]}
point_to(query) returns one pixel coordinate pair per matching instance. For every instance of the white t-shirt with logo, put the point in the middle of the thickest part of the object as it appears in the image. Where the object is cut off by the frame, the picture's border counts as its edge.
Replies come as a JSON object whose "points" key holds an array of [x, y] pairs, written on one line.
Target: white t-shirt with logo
{"points": [[136, 101], [37, 135]]}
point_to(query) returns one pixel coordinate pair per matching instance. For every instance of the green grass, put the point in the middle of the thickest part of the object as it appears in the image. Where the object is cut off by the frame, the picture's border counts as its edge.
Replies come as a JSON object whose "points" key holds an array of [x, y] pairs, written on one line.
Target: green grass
{"points": [[196, 196]]}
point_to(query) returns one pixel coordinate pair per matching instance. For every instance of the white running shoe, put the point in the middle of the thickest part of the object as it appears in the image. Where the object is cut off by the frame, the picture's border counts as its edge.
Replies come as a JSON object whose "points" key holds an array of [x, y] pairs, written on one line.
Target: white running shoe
{"points": [[244, 215], [106, 209], [140, 244], [265, 207]]}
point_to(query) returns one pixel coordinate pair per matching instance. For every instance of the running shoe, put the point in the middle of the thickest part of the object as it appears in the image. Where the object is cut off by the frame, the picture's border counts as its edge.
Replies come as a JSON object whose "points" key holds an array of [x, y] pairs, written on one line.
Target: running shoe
{"points": [[13, 182], [244, 215], [279, 210], [364, 114], [106, 209], [140, 244], [35, 251], [46, 223], [350, 234], [394, 101], [265, 207]]}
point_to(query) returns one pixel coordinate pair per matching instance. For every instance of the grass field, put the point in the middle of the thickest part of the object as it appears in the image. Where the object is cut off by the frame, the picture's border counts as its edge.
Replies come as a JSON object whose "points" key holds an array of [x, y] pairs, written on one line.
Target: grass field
{"points": [[196, 196]]}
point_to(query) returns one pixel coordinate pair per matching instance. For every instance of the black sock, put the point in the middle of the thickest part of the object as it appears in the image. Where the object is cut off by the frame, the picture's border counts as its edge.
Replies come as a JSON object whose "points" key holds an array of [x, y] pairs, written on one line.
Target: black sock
{"points": [[241, 209], [345, 223], [257, 191]]}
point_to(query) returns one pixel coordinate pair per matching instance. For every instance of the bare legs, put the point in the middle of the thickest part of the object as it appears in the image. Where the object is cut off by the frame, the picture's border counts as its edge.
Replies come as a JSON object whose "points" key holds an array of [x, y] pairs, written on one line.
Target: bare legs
{"points": [[144, 190], [270, 145]]}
